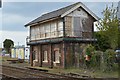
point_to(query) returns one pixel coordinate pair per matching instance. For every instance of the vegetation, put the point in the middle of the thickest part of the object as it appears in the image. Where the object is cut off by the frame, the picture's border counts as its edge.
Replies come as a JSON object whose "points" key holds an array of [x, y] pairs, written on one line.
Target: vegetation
{"points": [[8, 44], [102, 42], [102, 54], [108, 29], [109, 60], [104, 58]]}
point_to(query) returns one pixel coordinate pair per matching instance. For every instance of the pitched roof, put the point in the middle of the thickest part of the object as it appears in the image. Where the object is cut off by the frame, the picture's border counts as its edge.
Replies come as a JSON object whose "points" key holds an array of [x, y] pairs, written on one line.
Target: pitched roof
{"points": [[61, 13]]}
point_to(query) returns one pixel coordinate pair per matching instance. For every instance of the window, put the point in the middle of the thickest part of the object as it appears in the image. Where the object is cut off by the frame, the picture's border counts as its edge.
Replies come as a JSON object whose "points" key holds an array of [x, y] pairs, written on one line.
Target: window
{"points": [[60, 28], [47, 30], [42, 30], [32, 33], [45, 56], [78, 27], [56, 56], [53, 29], [37, 32]]}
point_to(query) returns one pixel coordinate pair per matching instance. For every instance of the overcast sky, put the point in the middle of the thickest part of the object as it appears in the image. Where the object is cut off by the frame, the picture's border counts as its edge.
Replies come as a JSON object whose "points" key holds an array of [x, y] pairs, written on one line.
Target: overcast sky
{"points": [[16, 14]]}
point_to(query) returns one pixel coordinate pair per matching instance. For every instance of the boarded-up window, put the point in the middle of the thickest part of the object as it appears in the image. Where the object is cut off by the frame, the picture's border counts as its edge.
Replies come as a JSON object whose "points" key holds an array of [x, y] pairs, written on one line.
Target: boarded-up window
{"points": [[45, 56], [86, 23], [35, 53], [56, 57], [68, 26]]}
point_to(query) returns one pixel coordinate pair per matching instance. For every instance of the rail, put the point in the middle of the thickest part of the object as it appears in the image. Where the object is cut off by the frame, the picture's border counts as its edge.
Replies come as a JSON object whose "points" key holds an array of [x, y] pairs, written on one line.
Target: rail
{"points": [[28, 73]]}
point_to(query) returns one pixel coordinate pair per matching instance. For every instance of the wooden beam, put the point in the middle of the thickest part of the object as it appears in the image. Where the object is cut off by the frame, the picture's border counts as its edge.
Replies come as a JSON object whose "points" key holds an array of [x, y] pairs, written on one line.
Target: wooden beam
{"points": [[40, 55], [63, 27], [51, 52], [64, 53], [31, 55]]}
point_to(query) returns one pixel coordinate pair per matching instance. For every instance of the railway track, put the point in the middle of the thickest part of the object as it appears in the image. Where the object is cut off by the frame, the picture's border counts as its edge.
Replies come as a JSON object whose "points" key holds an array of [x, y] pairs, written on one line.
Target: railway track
{"points": [[22, 73]]}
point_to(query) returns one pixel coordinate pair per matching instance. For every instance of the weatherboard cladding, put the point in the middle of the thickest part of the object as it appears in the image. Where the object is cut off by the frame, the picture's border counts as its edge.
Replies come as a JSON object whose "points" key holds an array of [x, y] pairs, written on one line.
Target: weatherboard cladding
{"points": [[58, 13]]}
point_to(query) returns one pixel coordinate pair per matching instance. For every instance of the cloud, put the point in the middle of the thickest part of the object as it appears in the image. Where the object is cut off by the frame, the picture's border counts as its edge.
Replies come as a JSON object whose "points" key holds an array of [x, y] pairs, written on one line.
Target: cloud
{"points": [[14, 19], [14, 22], [17, 14], [31, 8]]}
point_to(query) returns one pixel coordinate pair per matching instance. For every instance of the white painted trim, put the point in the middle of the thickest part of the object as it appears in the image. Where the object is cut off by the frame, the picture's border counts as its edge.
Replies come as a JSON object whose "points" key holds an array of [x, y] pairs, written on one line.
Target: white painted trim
{"points": [[45, 61], [56, 62], [84, 7]]}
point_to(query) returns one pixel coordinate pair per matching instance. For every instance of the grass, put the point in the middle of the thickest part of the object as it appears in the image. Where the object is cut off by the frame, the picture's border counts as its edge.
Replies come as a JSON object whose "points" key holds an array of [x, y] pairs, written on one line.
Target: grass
{"points": [[81, 71], [4, 58], [93, 73], [4, 61], [101, 74]]}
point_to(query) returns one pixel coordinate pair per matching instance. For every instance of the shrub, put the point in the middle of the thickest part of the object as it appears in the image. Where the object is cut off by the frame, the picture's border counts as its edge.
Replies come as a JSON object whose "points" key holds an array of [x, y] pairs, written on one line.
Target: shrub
{"points": [[109, 60], [96, 59]]}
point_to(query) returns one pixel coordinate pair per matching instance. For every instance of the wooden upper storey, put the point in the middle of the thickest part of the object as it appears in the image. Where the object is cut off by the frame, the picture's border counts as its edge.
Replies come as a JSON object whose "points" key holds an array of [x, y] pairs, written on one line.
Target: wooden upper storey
{"points": [[75, 22]]}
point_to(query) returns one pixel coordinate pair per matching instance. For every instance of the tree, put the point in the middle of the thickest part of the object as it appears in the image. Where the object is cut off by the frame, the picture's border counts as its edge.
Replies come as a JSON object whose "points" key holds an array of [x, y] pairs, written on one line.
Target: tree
{"points": [[102, 43], [108, 26], [8, 44]]}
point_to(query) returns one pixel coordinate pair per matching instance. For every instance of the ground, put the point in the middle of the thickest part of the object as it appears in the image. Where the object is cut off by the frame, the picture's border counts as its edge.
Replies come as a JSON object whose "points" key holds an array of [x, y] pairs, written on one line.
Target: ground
{"points": [[70, 71]]}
